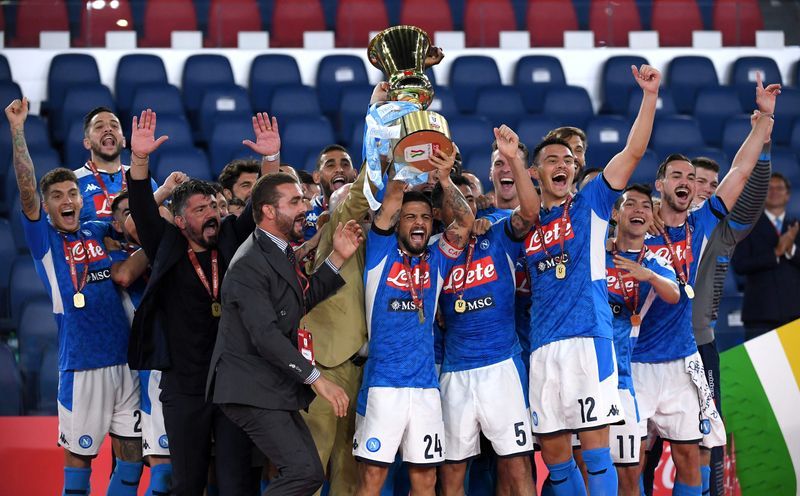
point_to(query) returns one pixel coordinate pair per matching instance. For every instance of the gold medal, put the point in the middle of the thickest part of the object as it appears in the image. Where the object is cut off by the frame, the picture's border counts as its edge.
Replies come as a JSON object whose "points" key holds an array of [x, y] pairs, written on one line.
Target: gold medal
{"points": [[216, 309], [636, 319], [78, 300], [689, 291], [561, 271], [460, 306], [421, 315]]}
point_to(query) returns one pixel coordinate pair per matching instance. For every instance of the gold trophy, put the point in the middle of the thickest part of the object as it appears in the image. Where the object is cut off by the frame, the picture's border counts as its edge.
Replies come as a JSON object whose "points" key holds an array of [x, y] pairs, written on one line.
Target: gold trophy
{"points": [[400, 52]]}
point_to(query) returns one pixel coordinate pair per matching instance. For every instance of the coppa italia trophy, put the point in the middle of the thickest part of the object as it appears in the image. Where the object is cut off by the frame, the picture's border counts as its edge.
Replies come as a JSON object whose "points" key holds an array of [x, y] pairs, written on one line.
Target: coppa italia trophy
{"points": [[401, 129]]}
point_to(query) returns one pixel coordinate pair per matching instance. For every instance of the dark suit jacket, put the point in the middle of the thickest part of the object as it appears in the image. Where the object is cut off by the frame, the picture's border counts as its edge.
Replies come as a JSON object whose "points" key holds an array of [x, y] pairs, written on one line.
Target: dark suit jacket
{"points": [[772, 291], [165, 245], [256, 361]]}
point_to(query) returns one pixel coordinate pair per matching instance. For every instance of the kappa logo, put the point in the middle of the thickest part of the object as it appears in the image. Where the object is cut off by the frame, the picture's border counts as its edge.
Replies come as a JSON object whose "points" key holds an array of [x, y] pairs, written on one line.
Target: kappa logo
{"points": [[480, 272], [94, 249], [85, 441], [373, 444], [553, 231], [398, 278], [145, 444], [91, 187], [614, 411], [62, 439], [546, 264], [613, 279]]}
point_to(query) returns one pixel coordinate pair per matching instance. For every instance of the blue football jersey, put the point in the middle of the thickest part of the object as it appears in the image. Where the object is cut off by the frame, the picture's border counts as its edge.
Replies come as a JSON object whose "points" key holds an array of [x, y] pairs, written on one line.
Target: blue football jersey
{"points": [[132, 295], [400, 347], [493, 213], [93, 336], [310, 226], [95, 204], [576, 305], [484, 333], [625, 334], [666, 333]]}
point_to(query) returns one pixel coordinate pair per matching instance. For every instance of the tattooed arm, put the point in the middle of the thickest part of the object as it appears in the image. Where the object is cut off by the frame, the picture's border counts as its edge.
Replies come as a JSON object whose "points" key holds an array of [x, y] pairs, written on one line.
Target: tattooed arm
{"points": [[16, 113], [457, 233], [387, 216]]}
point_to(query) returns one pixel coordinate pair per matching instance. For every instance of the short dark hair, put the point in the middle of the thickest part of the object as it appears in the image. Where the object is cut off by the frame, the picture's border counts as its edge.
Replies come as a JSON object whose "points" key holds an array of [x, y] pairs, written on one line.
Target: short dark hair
{"points": [[54, 176], [778, 175], [639, 188], [327, 149], [706, 163], [305, 177], [235, 168], [417, 196], [186, 190], [217, 186], [547, 142], [585, 172], [87, 119], [265, 191], [521, 146], [662, 167], [118, 199], [567, 132], [236, 202], [438, 192]]}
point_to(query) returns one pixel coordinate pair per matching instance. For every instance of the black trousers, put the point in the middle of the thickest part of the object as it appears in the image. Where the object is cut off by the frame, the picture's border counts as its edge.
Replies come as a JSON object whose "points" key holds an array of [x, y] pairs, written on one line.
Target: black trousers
{"points": [[284, 438], [191, 422]]}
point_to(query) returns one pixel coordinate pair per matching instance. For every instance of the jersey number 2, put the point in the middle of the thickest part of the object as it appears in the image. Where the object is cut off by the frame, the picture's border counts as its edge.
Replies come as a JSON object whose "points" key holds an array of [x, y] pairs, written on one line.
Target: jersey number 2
{"points": [[587, 407], [432, 442]]}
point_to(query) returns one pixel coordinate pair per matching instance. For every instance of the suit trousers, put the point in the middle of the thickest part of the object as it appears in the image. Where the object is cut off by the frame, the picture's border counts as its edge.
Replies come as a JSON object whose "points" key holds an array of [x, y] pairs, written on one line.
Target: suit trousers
{"points": [[284, 438], [190, 422], [333, 435]]}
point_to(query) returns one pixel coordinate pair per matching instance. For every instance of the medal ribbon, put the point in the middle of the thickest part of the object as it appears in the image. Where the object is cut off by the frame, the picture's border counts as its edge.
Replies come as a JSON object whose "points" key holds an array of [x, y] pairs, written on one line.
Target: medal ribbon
{"points": [[681, 269], [73, 269], [102, 183], [417, 299], [470, 251], [631, 301], [213, 289], [562, 223]]}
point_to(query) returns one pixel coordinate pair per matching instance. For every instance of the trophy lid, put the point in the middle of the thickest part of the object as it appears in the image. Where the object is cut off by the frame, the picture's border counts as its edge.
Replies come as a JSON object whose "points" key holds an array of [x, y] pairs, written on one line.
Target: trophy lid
{"points": [[398, 49]]}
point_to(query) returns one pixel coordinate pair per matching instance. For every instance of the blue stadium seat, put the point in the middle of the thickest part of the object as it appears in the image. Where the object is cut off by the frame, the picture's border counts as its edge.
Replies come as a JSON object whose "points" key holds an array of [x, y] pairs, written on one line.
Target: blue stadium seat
{"points": [[48, 384], [569, 106], [468, 74], [305, 135], [356, 145], [10, 383], [36, 135], [267, 72], [295, 100], [794, 141], [534, 75], [645, 172], [617, 83], [79, 101], [133, 70], [222, 101], [533, 128], [729, 330], [9, 91], [164, 99], [794, 206], [734, 133], [479, 162], [686, 75], [200, 72], [24, 284], [17, 231], [444, 102], [187, 159], [44, 159], [334, 72], [785, 161], [715, 154], [471, 134], [226, 141], [712, 108], [743, 78], [5, 69], [353, 107], [665, 105], [74, 153], [66, 70], [500, 105], [606, 136], [677, 134], [787, 110], [7, 252], [37, 333], [179, 132]]}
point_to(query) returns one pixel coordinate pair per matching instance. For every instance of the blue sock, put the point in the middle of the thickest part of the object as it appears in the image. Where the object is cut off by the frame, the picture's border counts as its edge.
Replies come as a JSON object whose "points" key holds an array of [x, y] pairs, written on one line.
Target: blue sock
{"points": [[641, 485], [263, 486], [160, 480], [566, 479], [681, 489], [547, 488], [125, 479], [76, 480], [602, 474], [705, 474]]}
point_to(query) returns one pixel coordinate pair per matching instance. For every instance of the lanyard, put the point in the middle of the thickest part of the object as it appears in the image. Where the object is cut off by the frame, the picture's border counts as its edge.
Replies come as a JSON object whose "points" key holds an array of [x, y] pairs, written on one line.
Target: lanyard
{"points": [[681, 269], [73, 269], [470, 251], [417, 299], [102, 183], [631, 300], [562, 224], [213, 289]]}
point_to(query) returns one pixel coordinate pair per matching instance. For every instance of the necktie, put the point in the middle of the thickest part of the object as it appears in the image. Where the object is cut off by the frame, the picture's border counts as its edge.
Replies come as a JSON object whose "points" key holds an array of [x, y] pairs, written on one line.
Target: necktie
{"points": [[301, 278], [778, 225]]}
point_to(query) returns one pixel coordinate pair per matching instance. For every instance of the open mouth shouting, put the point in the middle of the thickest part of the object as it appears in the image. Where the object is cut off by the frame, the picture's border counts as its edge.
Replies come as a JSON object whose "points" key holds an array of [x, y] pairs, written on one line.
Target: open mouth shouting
{"points": [[507, 185], [69, 215], [682, 193], [560, 178], [338, 181], [638, 220], [210, 228], [417, 236], [109, 140]]}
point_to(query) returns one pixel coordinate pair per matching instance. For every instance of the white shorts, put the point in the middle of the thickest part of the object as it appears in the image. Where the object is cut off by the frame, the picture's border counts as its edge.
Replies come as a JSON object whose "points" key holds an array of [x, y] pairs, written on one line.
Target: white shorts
{"points": [[95, 402], [492, 400], [154, 434], [405, 419], [573, 386], [675, 399], [625, 440]]}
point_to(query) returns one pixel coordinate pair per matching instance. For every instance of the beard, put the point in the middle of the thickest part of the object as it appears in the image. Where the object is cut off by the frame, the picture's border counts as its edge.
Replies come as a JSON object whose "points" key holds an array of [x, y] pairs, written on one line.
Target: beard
{"points": [[198, 237], [108, 157], [405, 243], [672, 201], [287, 226]]}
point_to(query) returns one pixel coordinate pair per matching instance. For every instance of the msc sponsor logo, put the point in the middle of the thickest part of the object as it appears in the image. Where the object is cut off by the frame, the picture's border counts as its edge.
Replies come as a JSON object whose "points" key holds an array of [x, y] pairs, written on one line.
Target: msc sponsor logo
{"points": [[553, 232], [98, 275], [614, 281], [480, 272], [546, 264], [94, 250], [616, 308], [398, 278], [399, 305]]}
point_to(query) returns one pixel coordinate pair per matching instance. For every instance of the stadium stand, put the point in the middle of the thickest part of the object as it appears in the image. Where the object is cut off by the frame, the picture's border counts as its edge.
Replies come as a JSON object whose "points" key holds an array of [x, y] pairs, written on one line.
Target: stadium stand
{"points": [[685, 76], [675, 20], [617, 83], [162, 18], [268, 72], [484, 19], [293, 17], [611, 20], [468, 74], [534, 75], [548, 19]]}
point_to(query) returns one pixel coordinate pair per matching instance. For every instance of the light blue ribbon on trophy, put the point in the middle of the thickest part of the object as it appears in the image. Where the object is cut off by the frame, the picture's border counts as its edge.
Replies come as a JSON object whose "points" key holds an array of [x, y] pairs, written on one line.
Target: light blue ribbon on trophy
{"points": [[382, 127]]}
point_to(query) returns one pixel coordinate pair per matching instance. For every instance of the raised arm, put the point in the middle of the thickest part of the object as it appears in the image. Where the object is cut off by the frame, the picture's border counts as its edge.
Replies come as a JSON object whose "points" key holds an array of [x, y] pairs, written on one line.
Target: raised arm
{"points": [[164, 192], [457, 233], [619, 169], [526, 214], [389, 212], [126, 272], [16, 113], [745, 160], [268, 142]]}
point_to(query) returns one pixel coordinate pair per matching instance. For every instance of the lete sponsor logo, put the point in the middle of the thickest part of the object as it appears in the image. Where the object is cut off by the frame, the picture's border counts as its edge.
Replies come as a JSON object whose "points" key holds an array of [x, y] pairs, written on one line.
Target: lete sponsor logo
{"points": [[95, 249], [102, 206], [553, 231], [399, 279], [680, 251], [613, 281], [480, 272]]}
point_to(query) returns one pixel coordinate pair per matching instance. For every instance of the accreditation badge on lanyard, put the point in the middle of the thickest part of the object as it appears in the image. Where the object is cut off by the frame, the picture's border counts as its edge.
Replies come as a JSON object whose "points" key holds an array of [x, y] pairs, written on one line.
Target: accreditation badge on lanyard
{"points": [[305, 344]]}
